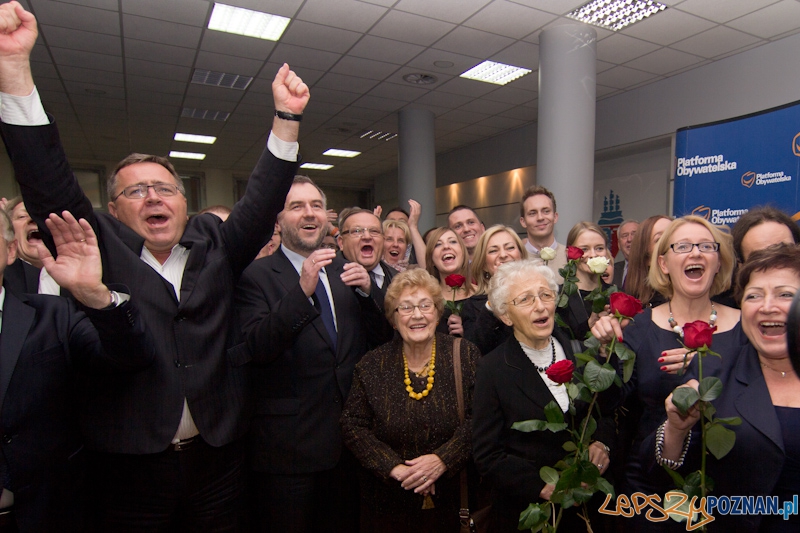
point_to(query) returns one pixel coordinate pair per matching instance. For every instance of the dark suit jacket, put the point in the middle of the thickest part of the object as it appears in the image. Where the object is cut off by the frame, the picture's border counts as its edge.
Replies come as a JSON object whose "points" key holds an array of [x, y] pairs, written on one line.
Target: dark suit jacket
{"points": [[619, 270], [508, 389], [201, 356], [380, 292], [300, 383], [21, 278], [44, 340], [754, 465]]}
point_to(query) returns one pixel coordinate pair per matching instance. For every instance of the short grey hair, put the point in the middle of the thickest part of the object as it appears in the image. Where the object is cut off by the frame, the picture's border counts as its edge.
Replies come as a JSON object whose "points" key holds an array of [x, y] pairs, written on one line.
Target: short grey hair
{"points": [[8, 229], [510, 273], [629, 221]]}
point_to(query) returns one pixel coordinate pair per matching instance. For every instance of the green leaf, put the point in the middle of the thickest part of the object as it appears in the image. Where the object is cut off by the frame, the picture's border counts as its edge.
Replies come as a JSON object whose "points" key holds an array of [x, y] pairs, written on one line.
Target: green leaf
{"points": [[708, 411], [553, 412], [563, 300], [590, 429], [569, 446], [598, 378], [584, 357], [549, 475], [555, 427], [671, 499], [676, 477], [592, 343], [684, 398], [605, 486], [710, 389], [731, 421], [534, 515], [528, 426], [570, 287], [599, 304], [623, 352], [719, 440], [582, 495], [627, 369]]}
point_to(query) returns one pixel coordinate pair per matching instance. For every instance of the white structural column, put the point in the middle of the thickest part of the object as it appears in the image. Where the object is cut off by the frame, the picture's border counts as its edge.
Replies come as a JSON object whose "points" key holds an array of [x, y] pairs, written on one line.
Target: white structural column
{"points": [[416, 163], [567, 98]]}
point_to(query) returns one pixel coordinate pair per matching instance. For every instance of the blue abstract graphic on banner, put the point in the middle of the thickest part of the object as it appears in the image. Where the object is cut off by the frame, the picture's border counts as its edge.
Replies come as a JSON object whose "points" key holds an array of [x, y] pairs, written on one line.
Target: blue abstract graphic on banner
{"points": [[726, 168]]}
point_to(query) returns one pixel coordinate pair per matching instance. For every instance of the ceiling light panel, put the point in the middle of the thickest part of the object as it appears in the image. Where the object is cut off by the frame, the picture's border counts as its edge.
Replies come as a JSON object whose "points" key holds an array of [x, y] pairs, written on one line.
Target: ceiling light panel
{"points": [[246, 22], [192, 138], [221, 79], [316, 166], [616, 14], [497, 73], [187, 155], [204, 114], [340, 153]]}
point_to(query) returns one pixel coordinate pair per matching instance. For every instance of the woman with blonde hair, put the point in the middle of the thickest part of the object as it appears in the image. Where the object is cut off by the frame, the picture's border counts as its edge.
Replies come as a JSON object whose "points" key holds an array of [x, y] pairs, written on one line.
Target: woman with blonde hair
{"points": [[446, 255]]}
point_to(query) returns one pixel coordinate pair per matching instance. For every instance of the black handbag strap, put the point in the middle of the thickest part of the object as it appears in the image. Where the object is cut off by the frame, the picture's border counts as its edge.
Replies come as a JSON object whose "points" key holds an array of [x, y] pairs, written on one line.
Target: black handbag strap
{"points": [[463, 513]]}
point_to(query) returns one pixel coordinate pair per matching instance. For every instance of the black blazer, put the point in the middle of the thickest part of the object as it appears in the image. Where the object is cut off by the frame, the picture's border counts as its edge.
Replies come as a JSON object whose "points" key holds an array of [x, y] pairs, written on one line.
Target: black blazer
{"points": [[300, 383], [508, 389], [21, 278], [201, 356], [44, 340], [619, 271]]}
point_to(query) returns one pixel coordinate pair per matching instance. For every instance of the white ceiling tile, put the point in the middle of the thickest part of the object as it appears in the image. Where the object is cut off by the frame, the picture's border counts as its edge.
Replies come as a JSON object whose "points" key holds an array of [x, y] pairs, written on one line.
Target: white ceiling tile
{"points": [[528, 114], [77, 17], [90, 76], [320, 37], [381, 104], [722, 11], [440, 99], [715, 42], [162, 71], [770, 21], [345, 14], [192, 12], [449, 10], [668, 26], [342, 82], [509, 19], [154, 53], [487, 107], [144, 84], [82, 40], [284, 8], [64, 57], [519, 54], [174, 100], [160, 31], [620, 48], [398, 78], [467, 87], [300, 56], [427, 60], [43, 70], [404, 93], [322, 94], [112, 5], [511, 95], [410, 28], [559, 7], [364, 68], [664, 61], [381, 49], [622, 77], [230, 64], [237, 45], [208, 92], [473, 42]]}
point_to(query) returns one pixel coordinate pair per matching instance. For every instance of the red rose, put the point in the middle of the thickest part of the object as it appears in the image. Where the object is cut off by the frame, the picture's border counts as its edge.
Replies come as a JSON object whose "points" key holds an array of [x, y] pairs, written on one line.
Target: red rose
{"points": [[455, 281], [624, 304], [561, 372], [697, 334], [574, 253]]}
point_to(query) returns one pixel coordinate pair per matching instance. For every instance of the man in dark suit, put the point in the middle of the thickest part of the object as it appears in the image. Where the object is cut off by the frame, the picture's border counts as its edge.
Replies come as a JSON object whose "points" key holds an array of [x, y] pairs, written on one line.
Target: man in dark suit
{"points": [[625, 234], [167, 442], [22, 276], [43, 341], [308, 318], [361, 240]]}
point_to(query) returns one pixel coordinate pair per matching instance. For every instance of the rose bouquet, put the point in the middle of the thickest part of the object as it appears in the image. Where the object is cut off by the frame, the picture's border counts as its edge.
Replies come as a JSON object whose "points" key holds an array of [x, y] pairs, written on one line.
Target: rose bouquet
{"points": [[455, 282]]}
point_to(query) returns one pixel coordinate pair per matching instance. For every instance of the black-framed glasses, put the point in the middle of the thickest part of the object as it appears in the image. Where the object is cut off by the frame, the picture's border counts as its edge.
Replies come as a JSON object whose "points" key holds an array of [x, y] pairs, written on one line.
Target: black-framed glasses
{"points": [[526, 299], [686, 247], [425, 308], [357, 232], [137, 192]]}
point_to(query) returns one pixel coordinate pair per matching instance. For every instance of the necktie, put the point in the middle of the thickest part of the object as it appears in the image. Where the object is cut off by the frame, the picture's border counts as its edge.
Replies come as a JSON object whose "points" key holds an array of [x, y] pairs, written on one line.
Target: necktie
{"points": [[321, 297]]}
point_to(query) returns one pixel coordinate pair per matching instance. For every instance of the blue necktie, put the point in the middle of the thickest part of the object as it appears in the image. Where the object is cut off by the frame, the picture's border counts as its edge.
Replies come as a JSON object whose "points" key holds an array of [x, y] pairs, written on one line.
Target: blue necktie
{"points": [[321, 297]]}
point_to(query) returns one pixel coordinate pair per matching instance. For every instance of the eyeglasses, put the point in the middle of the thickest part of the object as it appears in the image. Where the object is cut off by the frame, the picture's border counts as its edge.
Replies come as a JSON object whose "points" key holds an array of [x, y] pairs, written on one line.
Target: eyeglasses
{"points": [[686, 247], [358, 232], [136, 192], [526, 300], [425, 308]]}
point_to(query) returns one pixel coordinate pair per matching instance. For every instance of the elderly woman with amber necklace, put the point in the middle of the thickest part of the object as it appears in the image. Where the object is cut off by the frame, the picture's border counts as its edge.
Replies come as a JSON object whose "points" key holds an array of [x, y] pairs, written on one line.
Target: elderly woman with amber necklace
{"points": [[401, 419]]}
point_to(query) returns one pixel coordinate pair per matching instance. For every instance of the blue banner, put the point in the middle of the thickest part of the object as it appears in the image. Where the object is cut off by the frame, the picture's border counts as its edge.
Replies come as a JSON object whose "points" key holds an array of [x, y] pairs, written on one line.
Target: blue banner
{"points": [[725, 168]]}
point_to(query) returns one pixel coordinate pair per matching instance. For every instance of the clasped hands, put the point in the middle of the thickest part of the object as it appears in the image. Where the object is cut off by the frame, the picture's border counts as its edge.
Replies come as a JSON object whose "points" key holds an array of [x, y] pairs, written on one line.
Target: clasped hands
{"points": [[420, 473]]}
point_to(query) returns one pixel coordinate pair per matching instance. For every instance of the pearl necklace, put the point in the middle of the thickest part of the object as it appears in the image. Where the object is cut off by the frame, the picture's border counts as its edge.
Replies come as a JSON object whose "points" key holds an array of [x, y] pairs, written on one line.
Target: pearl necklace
{"points": [[431, 372], [678, 329], [553, 348]]}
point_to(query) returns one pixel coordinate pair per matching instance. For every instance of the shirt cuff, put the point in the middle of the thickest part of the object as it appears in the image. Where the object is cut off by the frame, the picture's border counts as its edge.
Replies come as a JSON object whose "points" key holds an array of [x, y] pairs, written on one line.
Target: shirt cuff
{"points": [[23, 110], [282, 149]]}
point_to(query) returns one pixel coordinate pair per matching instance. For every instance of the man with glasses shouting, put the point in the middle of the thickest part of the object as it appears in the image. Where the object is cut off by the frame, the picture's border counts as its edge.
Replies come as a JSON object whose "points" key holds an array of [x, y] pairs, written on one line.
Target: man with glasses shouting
{"points": [[166, 446]]}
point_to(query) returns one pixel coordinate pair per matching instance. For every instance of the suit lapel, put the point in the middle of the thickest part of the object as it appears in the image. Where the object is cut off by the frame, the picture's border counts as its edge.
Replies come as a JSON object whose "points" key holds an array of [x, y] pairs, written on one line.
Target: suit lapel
{"points": [[17, 321], [339, 292], [754, 403], [525, 375], [194, 264]]}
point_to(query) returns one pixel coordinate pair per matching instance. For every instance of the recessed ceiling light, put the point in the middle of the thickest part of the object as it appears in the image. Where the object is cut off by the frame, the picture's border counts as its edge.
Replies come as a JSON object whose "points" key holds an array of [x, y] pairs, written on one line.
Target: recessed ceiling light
{"points": [[247, 22], [616, 14], [204, 114], [340, 153], [497, 73], [378, 135], [221, 79], [192, 138], [187, 155], [316, 166], [443, 64]]}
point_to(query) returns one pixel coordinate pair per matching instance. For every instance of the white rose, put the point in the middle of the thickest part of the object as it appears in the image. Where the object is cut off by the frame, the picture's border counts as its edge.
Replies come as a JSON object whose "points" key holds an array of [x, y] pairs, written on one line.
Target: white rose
{"points": [[547, 254], [597, 265]]}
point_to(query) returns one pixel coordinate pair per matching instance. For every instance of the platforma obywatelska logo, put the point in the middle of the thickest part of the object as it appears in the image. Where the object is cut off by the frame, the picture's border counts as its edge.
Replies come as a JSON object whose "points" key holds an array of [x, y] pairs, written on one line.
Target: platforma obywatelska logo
{"points": [[702, 211], [748, 178], [796, 145]]}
